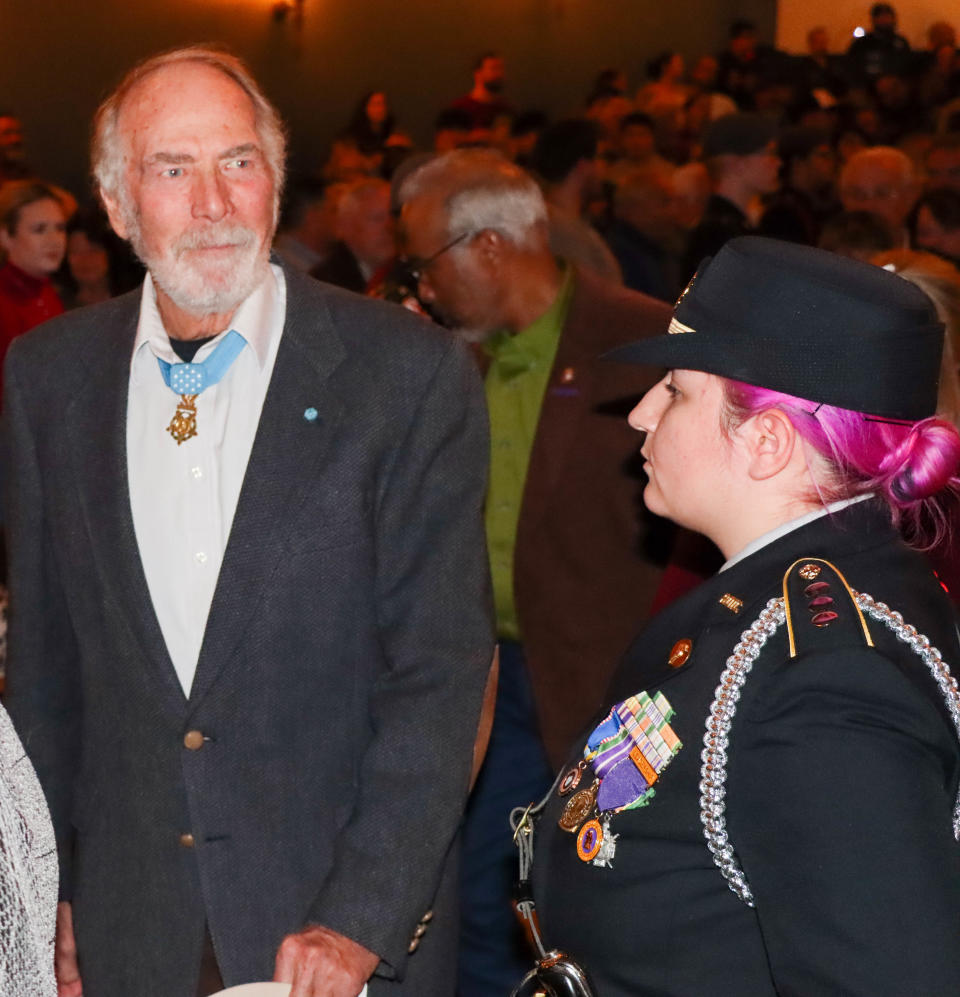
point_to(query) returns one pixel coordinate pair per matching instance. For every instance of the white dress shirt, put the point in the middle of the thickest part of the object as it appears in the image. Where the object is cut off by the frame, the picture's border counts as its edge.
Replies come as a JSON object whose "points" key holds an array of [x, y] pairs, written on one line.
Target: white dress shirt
{"points": [[183, 497]]}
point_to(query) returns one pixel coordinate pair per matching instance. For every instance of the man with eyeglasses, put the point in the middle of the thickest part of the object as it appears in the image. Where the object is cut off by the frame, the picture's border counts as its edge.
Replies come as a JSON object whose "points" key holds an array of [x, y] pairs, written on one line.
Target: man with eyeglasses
{"points": [[572, 566], [883, 181]]}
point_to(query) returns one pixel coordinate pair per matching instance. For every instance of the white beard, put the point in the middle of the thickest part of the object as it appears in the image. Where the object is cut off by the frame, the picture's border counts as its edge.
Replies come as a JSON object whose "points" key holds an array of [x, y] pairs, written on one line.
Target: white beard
{"points": [[205, 286]]}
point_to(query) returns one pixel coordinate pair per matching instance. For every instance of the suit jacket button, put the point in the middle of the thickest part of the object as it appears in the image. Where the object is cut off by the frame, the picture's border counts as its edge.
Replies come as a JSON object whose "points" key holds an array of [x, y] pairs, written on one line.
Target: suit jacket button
{"points": [[193, 739], [187, 840], [413, 946]]}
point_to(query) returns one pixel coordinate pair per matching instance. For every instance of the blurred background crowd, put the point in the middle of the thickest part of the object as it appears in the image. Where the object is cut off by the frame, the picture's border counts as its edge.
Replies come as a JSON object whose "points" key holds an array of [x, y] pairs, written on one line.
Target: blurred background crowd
{"points": [[856, 151]]}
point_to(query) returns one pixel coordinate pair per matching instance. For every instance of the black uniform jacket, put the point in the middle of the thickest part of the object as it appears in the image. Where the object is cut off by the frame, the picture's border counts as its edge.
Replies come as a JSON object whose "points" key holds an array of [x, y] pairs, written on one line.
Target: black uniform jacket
{"points": [[843, 769]]}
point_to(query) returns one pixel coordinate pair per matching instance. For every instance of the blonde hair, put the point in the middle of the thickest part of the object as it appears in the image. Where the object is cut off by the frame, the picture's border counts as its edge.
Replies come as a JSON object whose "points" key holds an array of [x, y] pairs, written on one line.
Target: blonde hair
{"points": [[940, 281]]}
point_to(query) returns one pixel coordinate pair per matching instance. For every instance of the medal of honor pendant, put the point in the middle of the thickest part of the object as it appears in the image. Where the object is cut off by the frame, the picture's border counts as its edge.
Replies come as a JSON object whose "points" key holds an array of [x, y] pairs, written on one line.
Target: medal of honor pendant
{"points": [[183, 426]]}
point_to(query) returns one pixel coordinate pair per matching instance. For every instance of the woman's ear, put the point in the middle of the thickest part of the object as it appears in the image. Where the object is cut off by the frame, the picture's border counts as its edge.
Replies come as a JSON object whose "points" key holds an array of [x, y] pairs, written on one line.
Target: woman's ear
{"points": [[771, 441]]}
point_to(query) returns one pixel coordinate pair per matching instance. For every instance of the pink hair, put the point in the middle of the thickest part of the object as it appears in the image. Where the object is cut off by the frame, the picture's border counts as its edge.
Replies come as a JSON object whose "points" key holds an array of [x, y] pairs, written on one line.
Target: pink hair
{"points": [[912, 466]]}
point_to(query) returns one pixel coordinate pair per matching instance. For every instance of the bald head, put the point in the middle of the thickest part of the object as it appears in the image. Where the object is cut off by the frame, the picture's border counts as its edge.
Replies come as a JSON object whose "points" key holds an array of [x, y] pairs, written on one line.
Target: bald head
{"points": [[881, 180]]}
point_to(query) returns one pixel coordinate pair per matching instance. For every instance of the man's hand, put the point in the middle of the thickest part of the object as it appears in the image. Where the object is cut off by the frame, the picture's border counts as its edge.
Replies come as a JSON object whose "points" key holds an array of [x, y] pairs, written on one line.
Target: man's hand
{"points": [[69, 983], [321, 963]]}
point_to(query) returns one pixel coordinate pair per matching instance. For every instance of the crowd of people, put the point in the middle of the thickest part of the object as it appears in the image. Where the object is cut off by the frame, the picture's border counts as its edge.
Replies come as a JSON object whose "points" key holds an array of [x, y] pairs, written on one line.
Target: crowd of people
{"points": [[858, 152], [250, 651]]}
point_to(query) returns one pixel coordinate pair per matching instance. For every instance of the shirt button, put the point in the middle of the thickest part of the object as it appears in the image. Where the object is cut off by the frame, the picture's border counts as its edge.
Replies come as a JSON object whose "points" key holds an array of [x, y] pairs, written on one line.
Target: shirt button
{"points": [[197, 472], [200, 557]]}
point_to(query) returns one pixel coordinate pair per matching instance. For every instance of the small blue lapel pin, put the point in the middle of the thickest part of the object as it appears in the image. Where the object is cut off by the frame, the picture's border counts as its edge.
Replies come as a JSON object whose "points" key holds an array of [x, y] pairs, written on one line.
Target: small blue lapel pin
{"points": [[310, 414]]}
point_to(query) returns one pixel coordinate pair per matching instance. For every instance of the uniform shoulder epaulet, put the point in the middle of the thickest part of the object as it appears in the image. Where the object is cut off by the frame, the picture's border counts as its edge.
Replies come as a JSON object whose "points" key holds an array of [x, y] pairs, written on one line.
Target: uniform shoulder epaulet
{"points": [[821, 608]]}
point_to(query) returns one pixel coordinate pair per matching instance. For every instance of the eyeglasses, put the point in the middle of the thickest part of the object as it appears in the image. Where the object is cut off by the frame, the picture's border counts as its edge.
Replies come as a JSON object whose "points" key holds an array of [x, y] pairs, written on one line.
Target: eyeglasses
{"points": [[416, 267]]}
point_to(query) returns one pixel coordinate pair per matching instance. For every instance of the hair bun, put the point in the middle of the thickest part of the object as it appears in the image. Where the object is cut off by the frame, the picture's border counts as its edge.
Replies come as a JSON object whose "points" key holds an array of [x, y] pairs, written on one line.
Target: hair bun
{"points": [[924, 463]]}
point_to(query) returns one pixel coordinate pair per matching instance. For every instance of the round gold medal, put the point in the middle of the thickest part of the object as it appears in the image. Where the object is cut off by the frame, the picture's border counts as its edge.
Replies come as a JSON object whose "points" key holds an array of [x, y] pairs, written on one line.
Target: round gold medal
{"points": [[578, 809]]}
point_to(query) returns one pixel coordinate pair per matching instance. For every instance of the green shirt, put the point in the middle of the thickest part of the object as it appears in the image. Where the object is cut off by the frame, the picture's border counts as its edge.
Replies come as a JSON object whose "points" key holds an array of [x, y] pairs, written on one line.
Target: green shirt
{"points": [[515, 385]]}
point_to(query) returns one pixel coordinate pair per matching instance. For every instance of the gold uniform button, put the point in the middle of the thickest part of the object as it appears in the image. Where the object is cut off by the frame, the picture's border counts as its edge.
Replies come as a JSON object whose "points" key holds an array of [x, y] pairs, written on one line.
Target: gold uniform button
{"points": [[193, 739], [680, 652], [187, 840]]}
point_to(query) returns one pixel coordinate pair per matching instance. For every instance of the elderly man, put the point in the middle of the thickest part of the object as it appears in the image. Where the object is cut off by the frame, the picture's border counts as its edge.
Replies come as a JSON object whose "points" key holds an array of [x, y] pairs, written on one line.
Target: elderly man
{"points": [[883, 181], [572, 568], [248, 648], [366, 246]]}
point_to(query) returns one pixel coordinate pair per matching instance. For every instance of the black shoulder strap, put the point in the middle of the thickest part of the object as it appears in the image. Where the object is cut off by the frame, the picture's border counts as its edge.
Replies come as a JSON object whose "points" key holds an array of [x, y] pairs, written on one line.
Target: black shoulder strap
{"points": [[821, 609]]}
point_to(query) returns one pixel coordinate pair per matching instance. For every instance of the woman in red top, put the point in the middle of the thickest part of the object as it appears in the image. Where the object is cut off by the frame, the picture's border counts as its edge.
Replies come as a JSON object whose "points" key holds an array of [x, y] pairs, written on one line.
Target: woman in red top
{"points": [[33, 240]]}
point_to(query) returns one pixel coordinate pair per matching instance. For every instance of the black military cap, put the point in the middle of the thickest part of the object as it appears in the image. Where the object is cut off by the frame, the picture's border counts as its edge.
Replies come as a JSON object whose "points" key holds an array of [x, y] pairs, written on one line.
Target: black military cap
{"points": [[741, 134], [806, 322]]}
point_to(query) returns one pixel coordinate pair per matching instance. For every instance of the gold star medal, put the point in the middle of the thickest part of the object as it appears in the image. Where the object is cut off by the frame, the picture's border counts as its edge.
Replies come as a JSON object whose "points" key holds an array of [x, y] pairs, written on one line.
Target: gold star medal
{"points": [[183, 425]]}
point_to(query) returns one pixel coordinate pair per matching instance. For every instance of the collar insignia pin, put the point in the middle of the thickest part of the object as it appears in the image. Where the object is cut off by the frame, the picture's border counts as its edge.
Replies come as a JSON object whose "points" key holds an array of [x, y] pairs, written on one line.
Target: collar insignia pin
{"points": [[731, 602]]}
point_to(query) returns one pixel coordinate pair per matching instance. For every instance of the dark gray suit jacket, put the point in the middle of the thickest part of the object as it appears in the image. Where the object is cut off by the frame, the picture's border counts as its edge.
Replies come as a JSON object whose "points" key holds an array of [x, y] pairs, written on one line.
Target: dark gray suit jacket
{"points": [[343, 663]]}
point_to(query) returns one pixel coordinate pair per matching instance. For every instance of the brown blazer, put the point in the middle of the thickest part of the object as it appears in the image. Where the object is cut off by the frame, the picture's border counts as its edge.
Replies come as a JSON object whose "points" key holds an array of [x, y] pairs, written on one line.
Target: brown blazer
{"points": [[585, 570]]}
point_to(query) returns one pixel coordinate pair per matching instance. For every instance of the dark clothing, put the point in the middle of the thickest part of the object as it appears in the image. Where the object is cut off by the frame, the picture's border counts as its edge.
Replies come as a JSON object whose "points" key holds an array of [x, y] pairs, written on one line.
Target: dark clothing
{"points": [[792, 215], [829, 75], [841, 780], [494, 953], [482, 113], [878, 54], [341, 269], [740, 78], [646, 267], [343, 663], [722, 221]]}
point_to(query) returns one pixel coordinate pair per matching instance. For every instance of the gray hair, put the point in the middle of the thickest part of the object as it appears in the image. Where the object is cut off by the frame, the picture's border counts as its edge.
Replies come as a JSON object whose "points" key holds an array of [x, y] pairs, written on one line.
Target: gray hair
{"points": [[482, 190], [107, 155], [884, 156]]}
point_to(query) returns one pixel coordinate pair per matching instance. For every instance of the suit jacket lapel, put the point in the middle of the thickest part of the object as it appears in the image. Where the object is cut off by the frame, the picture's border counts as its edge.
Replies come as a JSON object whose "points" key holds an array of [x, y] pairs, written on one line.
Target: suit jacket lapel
{"points": [[283, 466], [97, 424], [567, 400]]}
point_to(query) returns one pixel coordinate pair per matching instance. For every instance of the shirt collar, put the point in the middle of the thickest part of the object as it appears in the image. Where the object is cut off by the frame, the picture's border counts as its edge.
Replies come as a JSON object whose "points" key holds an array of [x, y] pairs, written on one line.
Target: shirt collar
{"points": [[794, 524], [256, 319], [516, 353]]}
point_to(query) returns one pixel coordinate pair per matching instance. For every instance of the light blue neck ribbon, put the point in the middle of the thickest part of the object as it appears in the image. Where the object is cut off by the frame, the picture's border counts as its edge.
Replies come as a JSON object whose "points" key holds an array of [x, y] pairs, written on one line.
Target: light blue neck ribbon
{"points": [[195, 378]]}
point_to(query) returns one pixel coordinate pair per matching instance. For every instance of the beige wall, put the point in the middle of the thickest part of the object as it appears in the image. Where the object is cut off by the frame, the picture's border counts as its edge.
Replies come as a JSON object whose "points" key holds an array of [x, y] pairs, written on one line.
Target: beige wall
{"points": [[840, 17], [60, 56]]}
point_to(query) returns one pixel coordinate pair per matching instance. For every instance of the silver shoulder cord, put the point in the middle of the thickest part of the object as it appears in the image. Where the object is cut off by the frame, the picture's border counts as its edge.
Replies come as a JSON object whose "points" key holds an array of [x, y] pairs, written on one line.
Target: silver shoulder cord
{"points": [[713, 774]]}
